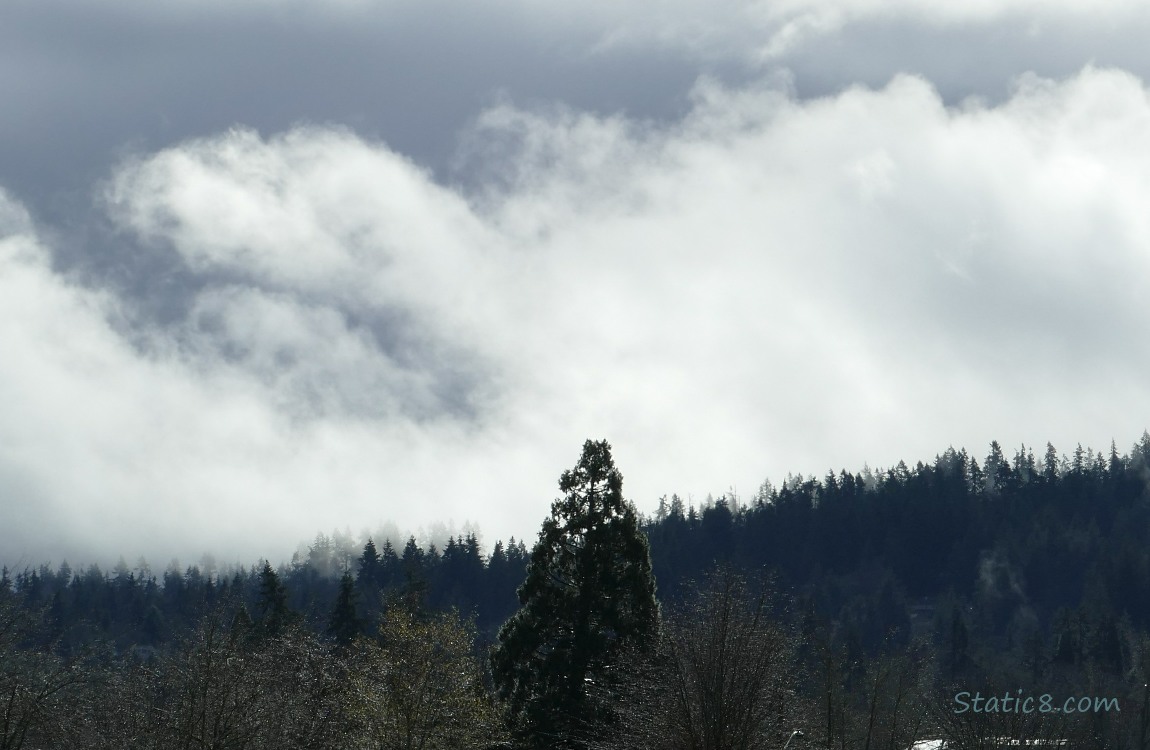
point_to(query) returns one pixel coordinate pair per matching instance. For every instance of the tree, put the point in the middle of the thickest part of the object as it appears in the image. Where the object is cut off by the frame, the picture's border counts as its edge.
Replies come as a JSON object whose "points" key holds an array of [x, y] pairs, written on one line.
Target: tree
{"points": [[415, 563], [344, 623], [370, 564], [420, 687], [724, 676], [997, 470], [371, 579], [34, 682], [589, 598], [273, 606], [1050, 465]]}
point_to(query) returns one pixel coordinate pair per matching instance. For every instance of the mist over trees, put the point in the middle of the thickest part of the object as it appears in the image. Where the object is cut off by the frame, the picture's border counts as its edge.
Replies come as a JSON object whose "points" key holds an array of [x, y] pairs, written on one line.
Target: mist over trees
{"points": [[851, 608]]}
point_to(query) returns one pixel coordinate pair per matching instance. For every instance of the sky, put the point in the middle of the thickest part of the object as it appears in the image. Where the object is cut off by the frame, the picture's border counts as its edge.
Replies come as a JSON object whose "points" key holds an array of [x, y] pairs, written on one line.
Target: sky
{"points": [[273, 267]]}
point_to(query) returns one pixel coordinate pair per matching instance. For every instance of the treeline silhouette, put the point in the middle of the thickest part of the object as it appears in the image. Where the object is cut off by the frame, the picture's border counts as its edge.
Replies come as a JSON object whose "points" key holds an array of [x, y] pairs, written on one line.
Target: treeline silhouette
{"points": [[1011, 546], [1016, 545], [1017, 570], [134, 607]]}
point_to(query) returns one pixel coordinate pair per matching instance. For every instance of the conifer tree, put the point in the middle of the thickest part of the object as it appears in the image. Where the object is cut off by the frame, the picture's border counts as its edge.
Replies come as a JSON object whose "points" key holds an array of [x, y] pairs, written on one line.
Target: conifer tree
{"points": [[1050, 465], [273, 605], [389, 565], [588, 600], [369, 565], [345, 623]]}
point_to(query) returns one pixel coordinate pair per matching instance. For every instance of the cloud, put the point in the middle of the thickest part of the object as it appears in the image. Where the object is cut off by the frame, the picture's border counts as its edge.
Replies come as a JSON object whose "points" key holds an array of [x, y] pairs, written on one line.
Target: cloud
{"points": [[763, 31], [765, 285], [231, 432], [92, 82]]}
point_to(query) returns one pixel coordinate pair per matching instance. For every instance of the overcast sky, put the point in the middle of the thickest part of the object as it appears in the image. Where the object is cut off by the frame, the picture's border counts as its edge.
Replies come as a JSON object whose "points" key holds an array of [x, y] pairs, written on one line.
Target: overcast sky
{"points": [[270, 267]]}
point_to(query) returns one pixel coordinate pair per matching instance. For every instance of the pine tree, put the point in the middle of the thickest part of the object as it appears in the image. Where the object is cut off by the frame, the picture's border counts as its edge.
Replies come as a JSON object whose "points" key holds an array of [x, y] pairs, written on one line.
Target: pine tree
{"points": [[369, 565], [588, 600], [1115, 465], [1050, 465], [344, 623], [415, 563], [273, 605], [996, 470], [389, 565]]}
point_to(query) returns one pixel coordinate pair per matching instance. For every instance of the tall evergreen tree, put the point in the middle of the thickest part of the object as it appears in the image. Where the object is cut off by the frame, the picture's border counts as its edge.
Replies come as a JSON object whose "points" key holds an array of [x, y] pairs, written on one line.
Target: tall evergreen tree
{"points": [[370, 580], [389, 565], [415, 563], [273, 606], [344, 623], [370, 564], [1050, 465], [588, 600]]}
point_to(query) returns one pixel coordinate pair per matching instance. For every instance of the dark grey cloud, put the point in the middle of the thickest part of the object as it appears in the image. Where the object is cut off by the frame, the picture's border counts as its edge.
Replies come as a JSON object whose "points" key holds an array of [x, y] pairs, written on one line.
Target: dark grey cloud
{"points": [[94, 81], [90, 84]]}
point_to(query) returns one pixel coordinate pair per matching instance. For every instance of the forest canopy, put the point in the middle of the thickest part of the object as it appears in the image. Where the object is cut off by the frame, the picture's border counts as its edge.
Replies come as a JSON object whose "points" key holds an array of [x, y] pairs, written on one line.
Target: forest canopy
{"points": [[1023, 568]]}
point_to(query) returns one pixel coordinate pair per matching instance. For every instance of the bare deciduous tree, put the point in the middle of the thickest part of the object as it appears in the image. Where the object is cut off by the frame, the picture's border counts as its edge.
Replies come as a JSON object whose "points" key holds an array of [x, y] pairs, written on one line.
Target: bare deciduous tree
{"points": [[224, 687], [420, 688], [34, 681], [724, 677]]}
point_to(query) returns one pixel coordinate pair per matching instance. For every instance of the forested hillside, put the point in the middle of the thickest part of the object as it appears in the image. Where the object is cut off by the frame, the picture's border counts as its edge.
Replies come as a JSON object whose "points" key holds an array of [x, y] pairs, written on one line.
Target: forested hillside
{"points": [[1019, 570]]}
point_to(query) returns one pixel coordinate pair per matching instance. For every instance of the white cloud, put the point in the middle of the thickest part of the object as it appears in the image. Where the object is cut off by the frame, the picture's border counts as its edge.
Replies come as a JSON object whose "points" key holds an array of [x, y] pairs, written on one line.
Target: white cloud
{"points": [[106, 449], [766, 285]]}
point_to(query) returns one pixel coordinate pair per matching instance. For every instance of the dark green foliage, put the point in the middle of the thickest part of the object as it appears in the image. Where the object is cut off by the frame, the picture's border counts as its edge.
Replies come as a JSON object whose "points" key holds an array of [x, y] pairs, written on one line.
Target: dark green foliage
{"points": [[416, 566], [589, 597], [1061, 535], [1020, 572], [345, 624], [370, 566], [273, 606]]}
